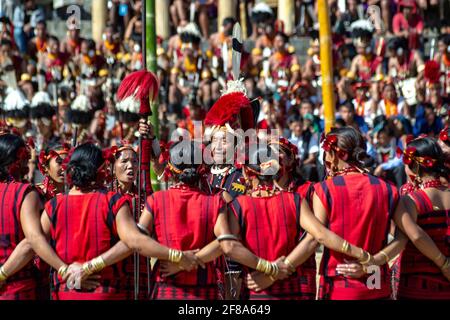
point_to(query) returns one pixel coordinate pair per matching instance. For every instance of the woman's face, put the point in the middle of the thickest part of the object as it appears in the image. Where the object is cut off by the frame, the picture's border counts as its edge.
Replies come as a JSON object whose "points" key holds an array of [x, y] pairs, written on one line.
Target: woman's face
{"points": [[126, 167], [55, 170]]}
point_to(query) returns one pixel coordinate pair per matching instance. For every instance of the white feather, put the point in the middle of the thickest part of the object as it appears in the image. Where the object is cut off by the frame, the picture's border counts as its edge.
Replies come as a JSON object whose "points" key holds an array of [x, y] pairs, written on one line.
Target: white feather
{"points": [[81, 103], [129, 104], [15, 100], [191, 28], [40, 97], [262, 7], [235, 86], [362, 24]]}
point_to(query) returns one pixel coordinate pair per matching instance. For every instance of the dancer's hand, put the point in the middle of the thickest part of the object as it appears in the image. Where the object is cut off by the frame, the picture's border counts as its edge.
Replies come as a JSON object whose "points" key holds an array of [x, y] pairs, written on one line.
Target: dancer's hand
{"points": [[257, 281], [351, 269], [168, 269]]}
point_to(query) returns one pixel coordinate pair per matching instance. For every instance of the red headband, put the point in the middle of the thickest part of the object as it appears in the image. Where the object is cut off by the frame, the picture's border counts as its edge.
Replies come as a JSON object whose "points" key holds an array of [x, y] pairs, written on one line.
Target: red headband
{"points": [[443, 136], [330, 143], [410, 157]]}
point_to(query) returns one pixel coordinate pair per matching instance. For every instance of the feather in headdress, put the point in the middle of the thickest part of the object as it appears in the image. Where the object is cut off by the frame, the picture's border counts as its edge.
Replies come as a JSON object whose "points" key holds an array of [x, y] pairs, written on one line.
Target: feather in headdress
{"points": [[41, 106], [140, 87], [261, 13], [432, 72]]}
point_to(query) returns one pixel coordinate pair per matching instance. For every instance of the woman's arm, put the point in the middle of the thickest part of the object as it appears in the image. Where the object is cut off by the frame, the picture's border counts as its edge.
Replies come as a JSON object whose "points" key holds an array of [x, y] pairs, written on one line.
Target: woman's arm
{"points": [[229, 225], [19, 258], [329, 239], [405, 217], [31, 225], [143, 244]]}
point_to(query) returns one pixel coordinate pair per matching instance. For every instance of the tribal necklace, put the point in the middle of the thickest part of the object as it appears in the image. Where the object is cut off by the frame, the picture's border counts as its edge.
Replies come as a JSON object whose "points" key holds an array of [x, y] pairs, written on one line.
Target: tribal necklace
{"points": [[269, 188], [217, 171], [345, 171], [435, 183]]}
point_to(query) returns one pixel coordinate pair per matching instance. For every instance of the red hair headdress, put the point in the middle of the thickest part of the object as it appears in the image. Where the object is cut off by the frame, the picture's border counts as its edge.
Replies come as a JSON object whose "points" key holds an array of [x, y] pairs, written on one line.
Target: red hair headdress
{"points": [[432, 72], [330, 143]]}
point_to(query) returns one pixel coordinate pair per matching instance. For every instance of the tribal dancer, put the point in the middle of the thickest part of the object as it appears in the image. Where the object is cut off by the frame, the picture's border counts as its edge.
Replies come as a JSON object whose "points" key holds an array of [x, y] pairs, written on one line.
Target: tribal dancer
{"points": [[184, 218], [16, 270]]}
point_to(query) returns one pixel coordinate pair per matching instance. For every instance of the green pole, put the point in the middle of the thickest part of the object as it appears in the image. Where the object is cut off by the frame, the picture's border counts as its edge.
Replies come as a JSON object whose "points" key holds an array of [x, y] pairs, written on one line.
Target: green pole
{"points": [[151, 62]]}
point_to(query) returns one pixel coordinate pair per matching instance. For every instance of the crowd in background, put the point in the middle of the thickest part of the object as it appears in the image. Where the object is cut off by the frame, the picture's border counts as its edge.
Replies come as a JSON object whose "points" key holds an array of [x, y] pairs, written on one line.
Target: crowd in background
{"points": [[391, 75]]}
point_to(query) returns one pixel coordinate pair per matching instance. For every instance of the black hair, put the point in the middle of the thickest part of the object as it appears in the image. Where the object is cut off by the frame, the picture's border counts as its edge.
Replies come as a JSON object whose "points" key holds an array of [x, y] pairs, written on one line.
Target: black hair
{"points": [[53, 146], [228, 20], [351, 141], [127, 117], [84, 164], [90, 43], [283, 36], [6, 42], [42, 110], [9, 146], [182, 157], [258, 155], [398, 42], [294, 118], [428, 147], [261, 17], [187, 37], [42, 21], [53, 38], [349, 105], [79, 117]]}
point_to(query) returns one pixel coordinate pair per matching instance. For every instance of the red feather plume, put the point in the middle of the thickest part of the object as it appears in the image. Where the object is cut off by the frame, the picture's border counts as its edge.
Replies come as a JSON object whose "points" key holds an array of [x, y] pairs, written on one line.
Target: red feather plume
{"points": [[432, 71], [142, 85], [228, 107]]}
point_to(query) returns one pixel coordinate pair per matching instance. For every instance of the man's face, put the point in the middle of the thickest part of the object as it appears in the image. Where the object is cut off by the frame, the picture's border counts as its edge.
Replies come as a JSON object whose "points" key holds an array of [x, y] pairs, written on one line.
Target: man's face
{"points": [[228, 29], [306, 108], [430, 115], [346, 114], [406, 11], [279, 43], [297, 128], [383, 139], [5, 50], [40, 30], [29, 4], [222, 147], [84, 47], [389, 93], [53, 46]]}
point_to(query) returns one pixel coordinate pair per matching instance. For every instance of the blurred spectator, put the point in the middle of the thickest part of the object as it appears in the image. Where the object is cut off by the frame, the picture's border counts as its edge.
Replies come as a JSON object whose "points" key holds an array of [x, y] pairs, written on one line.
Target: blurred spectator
{"points": [[307, 143], [389, 164], [26, 17]]}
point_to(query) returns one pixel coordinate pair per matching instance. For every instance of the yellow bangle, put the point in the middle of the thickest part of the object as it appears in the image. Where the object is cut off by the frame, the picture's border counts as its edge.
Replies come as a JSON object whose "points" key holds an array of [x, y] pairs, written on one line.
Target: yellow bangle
{"points": [[345, 247], [262, 266], [438, 257], [385, 256], [289, 264], [3, 274], [63, 270], [369, 257], [94, 266], [446, 264], [175, 256]]}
